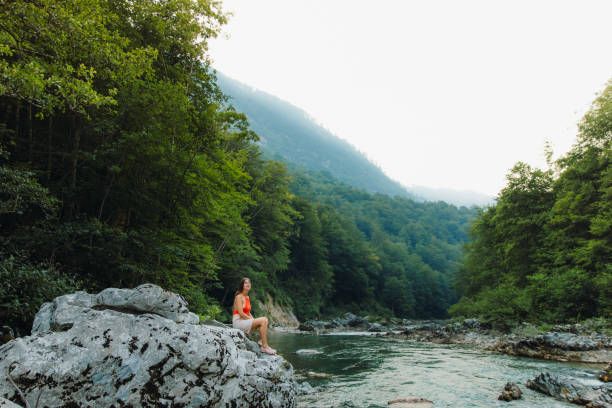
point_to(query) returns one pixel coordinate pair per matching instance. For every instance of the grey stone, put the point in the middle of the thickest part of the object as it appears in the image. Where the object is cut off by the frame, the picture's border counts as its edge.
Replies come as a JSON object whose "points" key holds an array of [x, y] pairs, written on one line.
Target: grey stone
{"points": [[569, 341], [305, 327], [411, 403], [305, 388], [511, 392], [4, 403], [571, 390], [472, 323], [116, 348], [556, 346], [376, 327]]}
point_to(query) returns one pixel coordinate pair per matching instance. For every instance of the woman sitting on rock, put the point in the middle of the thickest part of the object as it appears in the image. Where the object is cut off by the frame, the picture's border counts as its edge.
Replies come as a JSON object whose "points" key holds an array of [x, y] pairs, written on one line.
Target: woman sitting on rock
{"points": [[243, 319]]}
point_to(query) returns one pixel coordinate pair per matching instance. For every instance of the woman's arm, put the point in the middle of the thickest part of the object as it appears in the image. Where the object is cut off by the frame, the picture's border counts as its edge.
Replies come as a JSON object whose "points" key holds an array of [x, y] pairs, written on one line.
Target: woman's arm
{"points": [[239, 303]]}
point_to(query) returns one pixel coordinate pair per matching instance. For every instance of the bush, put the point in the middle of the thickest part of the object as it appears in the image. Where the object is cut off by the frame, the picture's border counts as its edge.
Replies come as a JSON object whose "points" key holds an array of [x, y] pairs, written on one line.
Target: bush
{"points": [[26, 287]]}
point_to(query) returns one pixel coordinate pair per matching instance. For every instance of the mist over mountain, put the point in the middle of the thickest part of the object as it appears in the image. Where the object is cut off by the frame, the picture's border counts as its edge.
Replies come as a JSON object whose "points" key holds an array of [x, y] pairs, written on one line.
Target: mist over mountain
{"points": [[290, 134], [288, 131], [451, 196]]}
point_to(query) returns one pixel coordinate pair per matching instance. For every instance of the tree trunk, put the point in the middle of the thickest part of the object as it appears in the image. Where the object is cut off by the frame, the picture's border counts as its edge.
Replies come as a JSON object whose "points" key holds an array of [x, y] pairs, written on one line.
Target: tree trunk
{"points": [[76, 141], [30, 134], [17, 118], [49, 143], [106, 192]]}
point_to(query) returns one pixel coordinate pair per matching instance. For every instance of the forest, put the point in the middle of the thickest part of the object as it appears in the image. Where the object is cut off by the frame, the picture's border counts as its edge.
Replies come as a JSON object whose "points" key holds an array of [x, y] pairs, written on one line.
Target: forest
{"points": [[123, 163], [543, 253]]}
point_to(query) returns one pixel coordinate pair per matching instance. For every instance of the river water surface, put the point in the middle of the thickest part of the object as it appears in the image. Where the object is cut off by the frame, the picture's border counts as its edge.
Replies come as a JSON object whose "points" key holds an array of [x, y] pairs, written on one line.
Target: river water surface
{"points": [[366, 371]]}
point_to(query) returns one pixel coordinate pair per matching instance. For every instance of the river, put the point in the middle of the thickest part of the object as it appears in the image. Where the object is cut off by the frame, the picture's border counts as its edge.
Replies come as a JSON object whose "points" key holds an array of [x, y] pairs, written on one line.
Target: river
{"points": [[366, 371]]}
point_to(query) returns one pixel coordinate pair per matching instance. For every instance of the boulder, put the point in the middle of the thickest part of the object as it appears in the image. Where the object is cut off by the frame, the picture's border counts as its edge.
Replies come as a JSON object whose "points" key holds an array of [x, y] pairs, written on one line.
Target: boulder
{"points": [[305, 327], [472, 323], [308, 351], [141, 348], [411, 403], [354, 321], [569, 341], [147, 298], [305, 388], [318, 324], [511, 392], [606, 376], [572, 390], [376, 327], [558, 346]]}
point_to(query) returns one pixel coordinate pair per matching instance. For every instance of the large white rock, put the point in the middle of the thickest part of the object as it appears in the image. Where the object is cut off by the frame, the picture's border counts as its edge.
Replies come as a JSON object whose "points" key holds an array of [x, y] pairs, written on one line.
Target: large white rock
{"points": [[117, 348]]}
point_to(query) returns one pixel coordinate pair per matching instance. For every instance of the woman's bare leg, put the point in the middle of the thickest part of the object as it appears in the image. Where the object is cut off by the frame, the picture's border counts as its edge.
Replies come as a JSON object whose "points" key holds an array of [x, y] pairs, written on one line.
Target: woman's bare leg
{"points": [[262, 324]]}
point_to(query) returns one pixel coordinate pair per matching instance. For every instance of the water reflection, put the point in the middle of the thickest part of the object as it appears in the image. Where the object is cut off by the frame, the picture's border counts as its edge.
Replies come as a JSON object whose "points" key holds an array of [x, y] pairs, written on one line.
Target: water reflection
{"points": [[366, 371]]}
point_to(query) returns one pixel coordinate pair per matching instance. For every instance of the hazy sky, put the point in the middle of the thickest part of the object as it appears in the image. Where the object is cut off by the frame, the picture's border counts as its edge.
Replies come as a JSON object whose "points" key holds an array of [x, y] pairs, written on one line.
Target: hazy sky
{"points": [[437, 93]]}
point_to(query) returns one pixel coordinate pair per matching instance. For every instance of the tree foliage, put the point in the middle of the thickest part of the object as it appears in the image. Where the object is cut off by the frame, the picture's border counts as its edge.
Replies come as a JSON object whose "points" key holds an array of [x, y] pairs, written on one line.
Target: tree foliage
{"points": [[123, 163], [544, 252]]}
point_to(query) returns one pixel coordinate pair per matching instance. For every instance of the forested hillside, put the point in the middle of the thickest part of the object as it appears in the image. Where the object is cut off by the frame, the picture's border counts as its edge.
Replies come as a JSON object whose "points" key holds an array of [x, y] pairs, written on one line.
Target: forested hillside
{"points": [[544, 252], [288, 131], [288, 134], [381, 251], [123, 163]]}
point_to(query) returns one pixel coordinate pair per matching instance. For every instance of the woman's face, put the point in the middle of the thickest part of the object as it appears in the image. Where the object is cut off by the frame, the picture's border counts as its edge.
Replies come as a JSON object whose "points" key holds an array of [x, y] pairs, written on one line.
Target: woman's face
{"points": [[247, 285]]}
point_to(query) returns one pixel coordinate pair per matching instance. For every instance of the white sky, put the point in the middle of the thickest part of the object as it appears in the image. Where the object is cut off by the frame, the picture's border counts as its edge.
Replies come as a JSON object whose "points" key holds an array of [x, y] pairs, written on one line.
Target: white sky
{"points": [[437, 93]]}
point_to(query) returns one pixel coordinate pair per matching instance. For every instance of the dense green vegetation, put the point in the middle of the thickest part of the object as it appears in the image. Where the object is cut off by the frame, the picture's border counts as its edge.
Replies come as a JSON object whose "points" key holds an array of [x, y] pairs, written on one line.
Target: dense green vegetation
{"points": [[390, 254], [544, 251], [122, 163]]}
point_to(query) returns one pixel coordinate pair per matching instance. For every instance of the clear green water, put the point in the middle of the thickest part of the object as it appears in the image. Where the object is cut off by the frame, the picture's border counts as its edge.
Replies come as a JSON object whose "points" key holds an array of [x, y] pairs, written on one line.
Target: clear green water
{"points": [[367, 372]]}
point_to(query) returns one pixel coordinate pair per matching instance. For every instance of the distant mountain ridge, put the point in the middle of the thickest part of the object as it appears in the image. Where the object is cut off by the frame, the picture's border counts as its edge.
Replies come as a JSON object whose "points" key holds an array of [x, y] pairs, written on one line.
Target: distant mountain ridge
{"points": [[452, 196], [289, 132]]}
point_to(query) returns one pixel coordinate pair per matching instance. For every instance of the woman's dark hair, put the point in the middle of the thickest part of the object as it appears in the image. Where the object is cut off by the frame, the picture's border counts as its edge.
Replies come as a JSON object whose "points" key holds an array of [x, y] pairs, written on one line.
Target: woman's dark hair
{"points": [[241, 286]]}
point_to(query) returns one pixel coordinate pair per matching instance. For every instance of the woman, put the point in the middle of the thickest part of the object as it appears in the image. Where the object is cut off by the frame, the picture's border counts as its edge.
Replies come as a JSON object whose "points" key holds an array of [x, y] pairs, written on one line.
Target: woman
{"points": [[243, 319]]}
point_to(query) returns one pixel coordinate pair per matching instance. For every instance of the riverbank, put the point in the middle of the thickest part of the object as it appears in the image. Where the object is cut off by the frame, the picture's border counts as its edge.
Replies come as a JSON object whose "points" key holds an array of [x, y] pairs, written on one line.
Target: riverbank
{"points": [[353, 369], [585, 342]]}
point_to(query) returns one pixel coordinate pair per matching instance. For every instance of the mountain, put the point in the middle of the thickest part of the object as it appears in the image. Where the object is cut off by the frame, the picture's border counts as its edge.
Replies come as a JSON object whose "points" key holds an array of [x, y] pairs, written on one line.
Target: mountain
{"points": [[289, 134], [288, 131]]}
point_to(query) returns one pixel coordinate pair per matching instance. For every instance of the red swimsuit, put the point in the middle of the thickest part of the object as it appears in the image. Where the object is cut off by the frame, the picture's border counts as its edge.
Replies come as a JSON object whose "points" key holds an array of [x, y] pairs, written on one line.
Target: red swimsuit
{"points": [[247, 306]]}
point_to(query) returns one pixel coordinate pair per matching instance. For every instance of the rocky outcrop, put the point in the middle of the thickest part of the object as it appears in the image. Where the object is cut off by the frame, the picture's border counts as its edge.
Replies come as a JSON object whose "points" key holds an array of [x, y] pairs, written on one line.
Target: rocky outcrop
{"points": [[278, 315], [511, 392], [348, 322], [139, 348], [559, 346], [571, 390], [562, 345], [469, 332]]}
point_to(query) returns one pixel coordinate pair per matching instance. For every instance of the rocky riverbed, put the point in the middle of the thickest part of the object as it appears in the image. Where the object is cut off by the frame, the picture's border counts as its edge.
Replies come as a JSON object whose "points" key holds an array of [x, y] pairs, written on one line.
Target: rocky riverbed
{"points": [[578, 343], [141, 348], [567, 343]]}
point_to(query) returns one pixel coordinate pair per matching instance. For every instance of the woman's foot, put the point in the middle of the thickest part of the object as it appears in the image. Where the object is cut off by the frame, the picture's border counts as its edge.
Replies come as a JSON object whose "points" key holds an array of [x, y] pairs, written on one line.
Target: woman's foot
{"points": [[267, 347], [268, 350]]}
